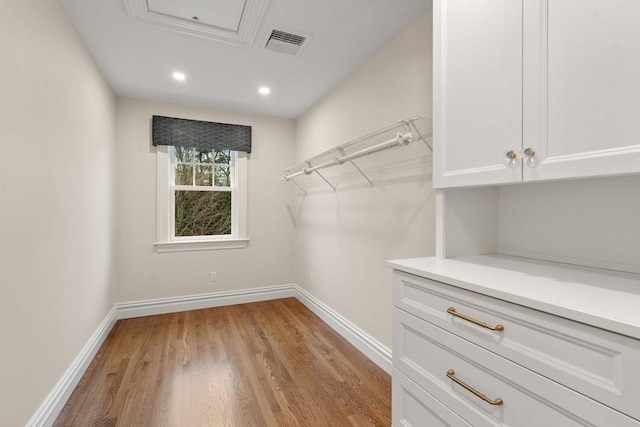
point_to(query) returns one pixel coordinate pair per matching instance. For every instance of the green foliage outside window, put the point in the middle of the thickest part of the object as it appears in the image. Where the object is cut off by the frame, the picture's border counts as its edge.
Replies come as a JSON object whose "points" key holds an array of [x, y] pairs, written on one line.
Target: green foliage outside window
{"points": [[202, 211]]}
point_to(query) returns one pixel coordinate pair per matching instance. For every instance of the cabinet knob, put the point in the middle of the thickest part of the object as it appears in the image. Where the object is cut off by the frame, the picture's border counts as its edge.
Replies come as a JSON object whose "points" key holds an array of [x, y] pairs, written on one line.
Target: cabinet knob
{"points": [[512, 159], [530, 157]]}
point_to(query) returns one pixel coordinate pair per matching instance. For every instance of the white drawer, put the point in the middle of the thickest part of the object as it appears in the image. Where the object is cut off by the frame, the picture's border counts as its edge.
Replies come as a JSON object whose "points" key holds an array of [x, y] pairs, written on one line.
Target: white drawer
{"points": [[425, 353], [412, 406], [600, 364]]}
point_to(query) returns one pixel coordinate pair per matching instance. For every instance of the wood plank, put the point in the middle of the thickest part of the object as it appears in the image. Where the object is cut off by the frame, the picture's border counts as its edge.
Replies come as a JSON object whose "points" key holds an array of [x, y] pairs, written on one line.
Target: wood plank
{"points": [[271, 363]]}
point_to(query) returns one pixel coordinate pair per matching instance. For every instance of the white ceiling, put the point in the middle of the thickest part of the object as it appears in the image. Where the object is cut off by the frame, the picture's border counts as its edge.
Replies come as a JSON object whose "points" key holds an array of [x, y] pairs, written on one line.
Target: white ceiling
{"points": [[138, 58]]}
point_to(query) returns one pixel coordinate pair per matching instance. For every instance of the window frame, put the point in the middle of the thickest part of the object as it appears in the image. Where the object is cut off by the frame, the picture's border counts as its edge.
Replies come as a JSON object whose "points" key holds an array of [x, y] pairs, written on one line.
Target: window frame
{"points": [[166, 241]]}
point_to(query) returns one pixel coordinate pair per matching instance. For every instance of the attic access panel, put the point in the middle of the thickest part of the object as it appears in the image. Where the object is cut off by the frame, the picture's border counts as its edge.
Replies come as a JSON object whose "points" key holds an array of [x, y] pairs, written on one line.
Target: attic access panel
{"points": [[227, 21], [220, 13]]}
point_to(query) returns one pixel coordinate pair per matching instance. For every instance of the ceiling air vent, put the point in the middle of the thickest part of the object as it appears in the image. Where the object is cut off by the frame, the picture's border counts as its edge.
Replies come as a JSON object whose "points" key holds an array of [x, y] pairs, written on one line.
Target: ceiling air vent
{"points": [[284, 42]]}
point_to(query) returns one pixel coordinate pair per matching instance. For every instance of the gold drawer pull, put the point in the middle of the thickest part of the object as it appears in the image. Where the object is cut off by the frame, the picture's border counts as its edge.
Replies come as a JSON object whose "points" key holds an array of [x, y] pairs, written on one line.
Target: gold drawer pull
{"points": [[451, 374], [452, 310]]}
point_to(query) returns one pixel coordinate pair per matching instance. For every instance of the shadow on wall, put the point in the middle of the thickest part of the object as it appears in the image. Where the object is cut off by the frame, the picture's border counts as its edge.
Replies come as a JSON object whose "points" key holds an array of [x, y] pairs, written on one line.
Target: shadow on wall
{"points": [[400, 190]]}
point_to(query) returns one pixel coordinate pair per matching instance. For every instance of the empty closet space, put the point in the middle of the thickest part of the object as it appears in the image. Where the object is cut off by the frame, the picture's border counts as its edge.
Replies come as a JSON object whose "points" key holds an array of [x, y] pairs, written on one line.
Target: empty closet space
{"points": [[268, 363]]}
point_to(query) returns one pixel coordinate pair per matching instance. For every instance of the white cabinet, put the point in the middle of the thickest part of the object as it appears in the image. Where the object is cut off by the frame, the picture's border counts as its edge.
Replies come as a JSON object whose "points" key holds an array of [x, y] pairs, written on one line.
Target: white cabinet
{"points": [[499, 346], [477, 70], [414, 407], [559, 77], [582, 87]]}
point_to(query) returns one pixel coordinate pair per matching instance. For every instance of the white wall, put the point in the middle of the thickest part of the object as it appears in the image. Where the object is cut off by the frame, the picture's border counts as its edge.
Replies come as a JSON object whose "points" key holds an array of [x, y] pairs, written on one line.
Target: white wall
{"points": [[343, 238], [56, 141], [592, 222], [143, 273]]}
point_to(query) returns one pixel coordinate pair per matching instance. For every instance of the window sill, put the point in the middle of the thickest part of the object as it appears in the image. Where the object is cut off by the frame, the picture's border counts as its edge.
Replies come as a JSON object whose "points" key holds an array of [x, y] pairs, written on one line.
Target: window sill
{"points": [[200, 245]]}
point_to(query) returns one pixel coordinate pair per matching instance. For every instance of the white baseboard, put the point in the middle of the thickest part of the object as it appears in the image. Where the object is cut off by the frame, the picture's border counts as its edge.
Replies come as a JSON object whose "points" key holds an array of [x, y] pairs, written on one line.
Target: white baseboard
{"points": [[127, 310], [372, 348], [57, 398], [55, 401]]}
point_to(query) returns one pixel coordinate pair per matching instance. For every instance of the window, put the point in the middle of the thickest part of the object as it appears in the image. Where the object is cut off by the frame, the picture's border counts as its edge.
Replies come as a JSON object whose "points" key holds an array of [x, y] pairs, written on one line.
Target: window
{"points": [[202, 191], [201, 199]]}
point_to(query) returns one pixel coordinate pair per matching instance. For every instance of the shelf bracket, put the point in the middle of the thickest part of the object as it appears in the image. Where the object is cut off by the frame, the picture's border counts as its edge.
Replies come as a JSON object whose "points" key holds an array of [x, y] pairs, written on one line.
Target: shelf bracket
{"points": [[308, 172], [341, 152], [297, 185], [325, 180]]}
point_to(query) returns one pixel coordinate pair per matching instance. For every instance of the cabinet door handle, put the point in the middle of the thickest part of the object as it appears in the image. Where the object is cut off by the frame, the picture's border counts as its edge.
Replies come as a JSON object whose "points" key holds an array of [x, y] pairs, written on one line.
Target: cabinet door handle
{"points": [[452, 375], [531, 159], [512, 159], [452, 310]]}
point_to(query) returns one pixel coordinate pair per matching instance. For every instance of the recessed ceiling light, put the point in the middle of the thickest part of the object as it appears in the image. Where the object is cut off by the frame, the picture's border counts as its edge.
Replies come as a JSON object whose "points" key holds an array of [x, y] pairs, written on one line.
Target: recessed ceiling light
{"points": [[264, 90], [179, 76]]}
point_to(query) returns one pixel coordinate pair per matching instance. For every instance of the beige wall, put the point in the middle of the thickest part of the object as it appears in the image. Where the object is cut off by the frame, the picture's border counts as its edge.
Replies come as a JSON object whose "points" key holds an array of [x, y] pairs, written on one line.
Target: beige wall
{"points": [[343, 238], [141, 272], [56, 158], [78, 186]]}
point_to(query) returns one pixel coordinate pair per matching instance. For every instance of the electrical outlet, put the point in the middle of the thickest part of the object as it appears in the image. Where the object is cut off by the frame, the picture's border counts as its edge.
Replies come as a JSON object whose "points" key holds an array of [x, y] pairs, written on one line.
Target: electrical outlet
{"points": [[213, 277], [311, 278]]}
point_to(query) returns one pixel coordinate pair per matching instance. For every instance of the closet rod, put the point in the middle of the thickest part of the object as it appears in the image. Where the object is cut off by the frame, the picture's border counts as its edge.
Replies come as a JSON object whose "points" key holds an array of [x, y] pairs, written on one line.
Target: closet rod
{"points": [[400, 139]]}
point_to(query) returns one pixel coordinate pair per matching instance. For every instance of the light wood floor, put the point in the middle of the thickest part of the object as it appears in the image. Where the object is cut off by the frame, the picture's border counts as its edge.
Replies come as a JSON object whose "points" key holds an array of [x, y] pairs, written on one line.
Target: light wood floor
{"points": [[270, 363]]}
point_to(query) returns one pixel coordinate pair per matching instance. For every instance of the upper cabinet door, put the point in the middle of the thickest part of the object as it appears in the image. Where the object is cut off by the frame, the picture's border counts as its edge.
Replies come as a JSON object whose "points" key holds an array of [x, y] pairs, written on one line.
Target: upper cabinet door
{"points": [[581, 88], [477, 91]]}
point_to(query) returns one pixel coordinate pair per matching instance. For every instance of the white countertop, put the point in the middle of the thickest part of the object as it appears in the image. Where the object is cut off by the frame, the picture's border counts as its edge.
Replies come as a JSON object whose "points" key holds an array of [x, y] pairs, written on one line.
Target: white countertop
{"points": [[603, 298]]}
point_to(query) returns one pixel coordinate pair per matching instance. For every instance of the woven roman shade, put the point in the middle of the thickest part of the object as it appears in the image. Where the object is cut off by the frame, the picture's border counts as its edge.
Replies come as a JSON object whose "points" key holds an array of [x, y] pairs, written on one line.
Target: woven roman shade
{"points": [[199, 134]]}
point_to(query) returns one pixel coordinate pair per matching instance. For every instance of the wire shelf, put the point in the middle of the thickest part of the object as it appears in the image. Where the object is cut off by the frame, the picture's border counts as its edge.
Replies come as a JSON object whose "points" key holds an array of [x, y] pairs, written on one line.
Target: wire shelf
{"points": [[399, 134]]}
